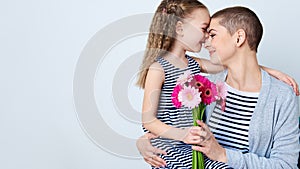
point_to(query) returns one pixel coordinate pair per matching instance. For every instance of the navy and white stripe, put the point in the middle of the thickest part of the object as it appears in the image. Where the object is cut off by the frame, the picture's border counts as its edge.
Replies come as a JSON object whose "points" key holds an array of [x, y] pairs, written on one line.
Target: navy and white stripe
{"points": [[179, 154], [231, 127], [166, 111]]}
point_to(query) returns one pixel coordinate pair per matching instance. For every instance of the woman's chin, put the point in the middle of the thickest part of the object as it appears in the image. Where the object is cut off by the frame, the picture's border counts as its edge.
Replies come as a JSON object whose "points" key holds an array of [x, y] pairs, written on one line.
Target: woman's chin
{"points": [[215, 60]]}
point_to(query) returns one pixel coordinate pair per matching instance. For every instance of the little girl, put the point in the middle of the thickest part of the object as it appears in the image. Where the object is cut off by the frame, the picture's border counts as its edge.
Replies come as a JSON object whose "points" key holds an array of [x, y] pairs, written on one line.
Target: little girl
{"points": [[177, 26]]}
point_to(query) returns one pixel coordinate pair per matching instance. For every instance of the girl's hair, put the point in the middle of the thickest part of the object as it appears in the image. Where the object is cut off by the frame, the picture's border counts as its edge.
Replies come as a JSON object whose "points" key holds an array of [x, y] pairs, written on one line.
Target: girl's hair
{"points": [[238, 17], [162, 31]]}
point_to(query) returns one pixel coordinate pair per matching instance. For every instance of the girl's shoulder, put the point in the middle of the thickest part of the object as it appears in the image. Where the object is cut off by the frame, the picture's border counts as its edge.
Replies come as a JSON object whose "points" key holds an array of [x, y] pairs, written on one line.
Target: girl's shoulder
{"points": [[156, 69], [155, 76], [198, 60], [156, 65]]}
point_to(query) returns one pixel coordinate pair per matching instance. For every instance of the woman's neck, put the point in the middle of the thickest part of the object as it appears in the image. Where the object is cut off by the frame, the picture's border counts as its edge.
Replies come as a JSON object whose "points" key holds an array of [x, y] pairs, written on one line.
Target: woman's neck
{"points": [[244, 74]]}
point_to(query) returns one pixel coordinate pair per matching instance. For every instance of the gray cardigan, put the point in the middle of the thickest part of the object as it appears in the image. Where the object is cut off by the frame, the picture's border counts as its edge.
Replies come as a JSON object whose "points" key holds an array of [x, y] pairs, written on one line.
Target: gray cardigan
{"points": [[273, 130]]}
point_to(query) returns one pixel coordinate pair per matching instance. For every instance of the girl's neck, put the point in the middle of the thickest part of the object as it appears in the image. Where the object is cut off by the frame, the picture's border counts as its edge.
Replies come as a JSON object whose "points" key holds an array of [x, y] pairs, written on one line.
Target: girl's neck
{"points": [[176, 57], [177, 51], [244, 73]]}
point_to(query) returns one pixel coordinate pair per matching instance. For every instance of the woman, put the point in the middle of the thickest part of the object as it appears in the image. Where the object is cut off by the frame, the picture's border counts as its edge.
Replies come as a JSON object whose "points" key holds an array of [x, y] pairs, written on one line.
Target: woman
{"points": [[260, 129]]}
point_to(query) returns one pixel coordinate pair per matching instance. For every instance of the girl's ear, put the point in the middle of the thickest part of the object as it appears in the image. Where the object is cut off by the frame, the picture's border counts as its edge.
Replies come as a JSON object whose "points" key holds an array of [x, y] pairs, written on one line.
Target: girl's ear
{"points": [[179, 28], [240, 37]]}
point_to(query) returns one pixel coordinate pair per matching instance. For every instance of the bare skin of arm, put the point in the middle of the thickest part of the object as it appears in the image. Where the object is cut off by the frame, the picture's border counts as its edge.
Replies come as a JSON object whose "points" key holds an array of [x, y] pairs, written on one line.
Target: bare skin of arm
{"points": [[149, 152], [207, 67], [155, 79], [283, 77]]}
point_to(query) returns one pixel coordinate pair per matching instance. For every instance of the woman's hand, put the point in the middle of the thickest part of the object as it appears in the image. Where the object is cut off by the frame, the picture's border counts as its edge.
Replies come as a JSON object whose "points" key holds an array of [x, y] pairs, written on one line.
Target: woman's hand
{"points": [[207, 143], [150, 153]]}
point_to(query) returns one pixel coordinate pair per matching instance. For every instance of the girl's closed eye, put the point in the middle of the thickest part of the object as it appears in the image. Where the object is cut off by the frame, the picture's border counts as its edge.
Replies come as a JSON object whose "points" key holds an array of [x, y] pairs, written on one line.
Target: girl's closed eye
{"points": [[204, 29]]}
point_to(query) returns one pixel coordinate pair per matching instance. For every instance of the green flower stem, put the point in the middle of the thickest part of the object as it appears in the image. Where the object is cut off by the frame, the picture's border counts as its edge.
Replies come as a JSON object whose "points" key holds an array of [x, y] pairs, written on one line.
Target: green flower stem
{"points": [[196, 115], [200, 160], [202, 109], [195, 160], [197, 157]]}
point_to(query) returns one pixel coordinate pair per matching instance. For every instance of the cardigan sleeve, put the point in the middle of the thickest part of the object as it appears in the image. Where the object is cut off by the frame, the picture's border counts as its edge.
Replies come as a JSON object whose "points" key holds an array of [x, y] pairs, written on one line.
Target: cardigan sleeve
{"points": [[285, 143]]}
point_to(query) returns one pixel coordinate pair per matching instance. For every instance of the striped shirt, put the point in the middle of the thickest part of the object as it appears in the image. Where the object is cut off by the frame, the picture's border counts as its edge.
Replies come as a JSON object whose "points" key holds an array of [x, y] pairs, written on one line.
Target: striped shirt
{"points": [[231, 127]]}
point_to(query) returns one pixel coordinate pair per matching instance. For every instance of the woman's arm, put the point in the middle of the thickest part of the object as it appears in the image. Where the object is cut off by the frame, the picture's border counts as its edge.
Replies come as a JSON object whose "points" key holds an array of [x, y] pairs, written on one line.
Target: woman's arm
{"points": [[150, 153], [154, 80]]}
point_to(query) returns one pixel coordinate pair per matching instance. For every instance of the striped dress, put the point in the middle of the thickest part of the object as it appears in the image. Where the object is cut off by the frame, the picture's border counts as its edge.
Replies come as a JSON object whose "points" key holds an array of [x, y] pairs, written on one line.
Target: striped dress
{"points": [[179, 154]]}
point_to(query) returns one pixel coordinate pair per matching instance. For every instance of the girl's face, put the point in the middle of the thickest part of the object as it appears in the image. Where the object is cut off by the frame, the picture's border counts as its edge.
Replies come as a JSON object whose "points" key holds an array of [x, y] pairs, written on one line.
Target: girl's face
{"points": [[220, 44], [194, 30]]}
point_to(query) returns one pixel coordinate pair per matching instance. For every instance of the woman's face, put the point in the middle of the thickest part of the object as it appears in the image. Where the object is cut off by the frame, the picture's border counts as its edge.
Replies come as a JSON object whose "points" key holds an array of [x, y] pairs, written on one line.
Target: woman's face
{"points": [[194, 30], [220, 44]]}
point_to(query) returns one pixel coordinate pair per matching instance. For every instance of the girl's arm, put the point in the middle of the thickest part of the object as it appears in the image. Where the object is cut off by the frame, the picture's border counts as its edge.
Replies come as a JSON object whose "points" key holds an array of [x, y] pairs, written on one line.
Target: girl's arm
{"points": [[283, 77], [154, 80], [207, 67]]}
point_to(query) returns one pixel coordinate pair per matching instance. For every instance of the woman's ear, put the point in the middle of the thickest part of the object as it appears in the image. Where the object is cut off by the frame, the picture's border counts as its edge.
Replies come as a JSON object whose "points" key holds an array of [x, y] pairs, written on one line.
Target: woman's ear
{"points": [[179, 28], [240, 37]]}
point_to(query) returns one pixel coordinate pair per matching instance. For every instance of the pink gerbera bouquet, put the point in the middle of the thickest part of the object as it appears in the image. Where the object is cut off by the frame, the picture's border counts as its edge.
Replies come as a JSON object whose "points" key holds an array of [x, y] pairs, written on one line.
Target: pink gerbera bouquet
{"points": [[195, 92]]}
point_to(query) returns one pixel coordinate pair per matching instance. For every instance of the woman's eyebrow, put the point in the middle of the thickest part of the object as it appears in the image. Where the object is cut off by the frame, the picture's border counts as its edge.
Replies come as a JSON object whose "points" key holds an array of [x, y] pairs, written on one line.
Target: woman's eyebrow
{"points": [[209, 30]]}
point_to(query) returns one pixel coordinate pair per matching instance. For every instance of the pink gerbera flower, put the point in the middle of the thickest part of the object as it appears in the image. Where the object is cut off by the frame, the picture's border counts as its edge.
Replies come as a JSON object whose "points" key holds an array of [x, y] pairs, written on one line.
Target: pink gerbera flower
{"points": [[174, 96], [199, 82], [189, 97], [223, 104], [209, 94], [222, 90], [184, 78]]}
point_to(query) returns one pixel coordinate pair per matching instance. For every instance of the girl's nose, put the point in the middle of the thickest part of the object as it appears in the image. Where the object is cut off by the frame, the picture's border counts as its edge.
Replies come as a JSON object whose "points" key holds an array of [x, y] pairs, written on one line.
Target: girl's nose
{"points": [[206, 35], [207, 43]]}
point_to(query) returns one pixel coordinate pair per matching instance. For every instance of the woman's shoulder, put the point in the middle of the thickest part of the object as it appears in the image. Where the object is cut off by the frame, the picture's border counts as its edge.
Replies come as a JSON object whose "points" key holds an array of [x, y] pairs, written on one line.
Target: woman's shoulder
{"points": [[279, 86], [277, 91]]}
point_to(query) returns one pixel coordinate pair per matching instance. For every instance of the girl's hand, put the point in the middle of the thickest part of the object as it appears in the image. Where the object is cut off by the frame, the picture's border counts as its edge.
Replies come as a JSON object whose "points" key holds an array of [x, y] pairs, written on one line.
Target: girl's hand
{"points": [[195, 135], [150, 153], [208, 144]]}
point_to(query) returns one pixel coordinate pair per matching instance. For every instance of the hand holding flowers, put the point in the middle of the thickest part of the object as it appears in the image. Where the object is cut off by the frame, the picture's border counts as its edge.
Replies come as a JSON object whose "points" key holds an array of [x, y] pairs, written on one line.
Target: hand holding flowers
{"points": [[209, 144]]}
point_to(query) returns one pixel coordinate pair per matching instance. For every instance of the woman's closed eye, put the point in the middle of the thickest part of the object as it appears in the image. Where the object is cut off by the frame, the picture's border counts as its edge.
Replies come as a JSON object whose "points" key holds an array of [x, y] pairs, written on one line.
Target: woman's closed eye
{"points": [[212, 35]]}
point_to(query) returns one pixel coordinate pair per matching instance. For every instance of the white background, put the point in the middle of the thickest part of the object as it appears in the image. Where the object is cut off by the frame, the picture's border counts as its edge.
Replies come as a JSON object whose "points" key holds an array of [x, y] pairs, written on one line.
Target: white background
{"points": [[40, 43]]}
